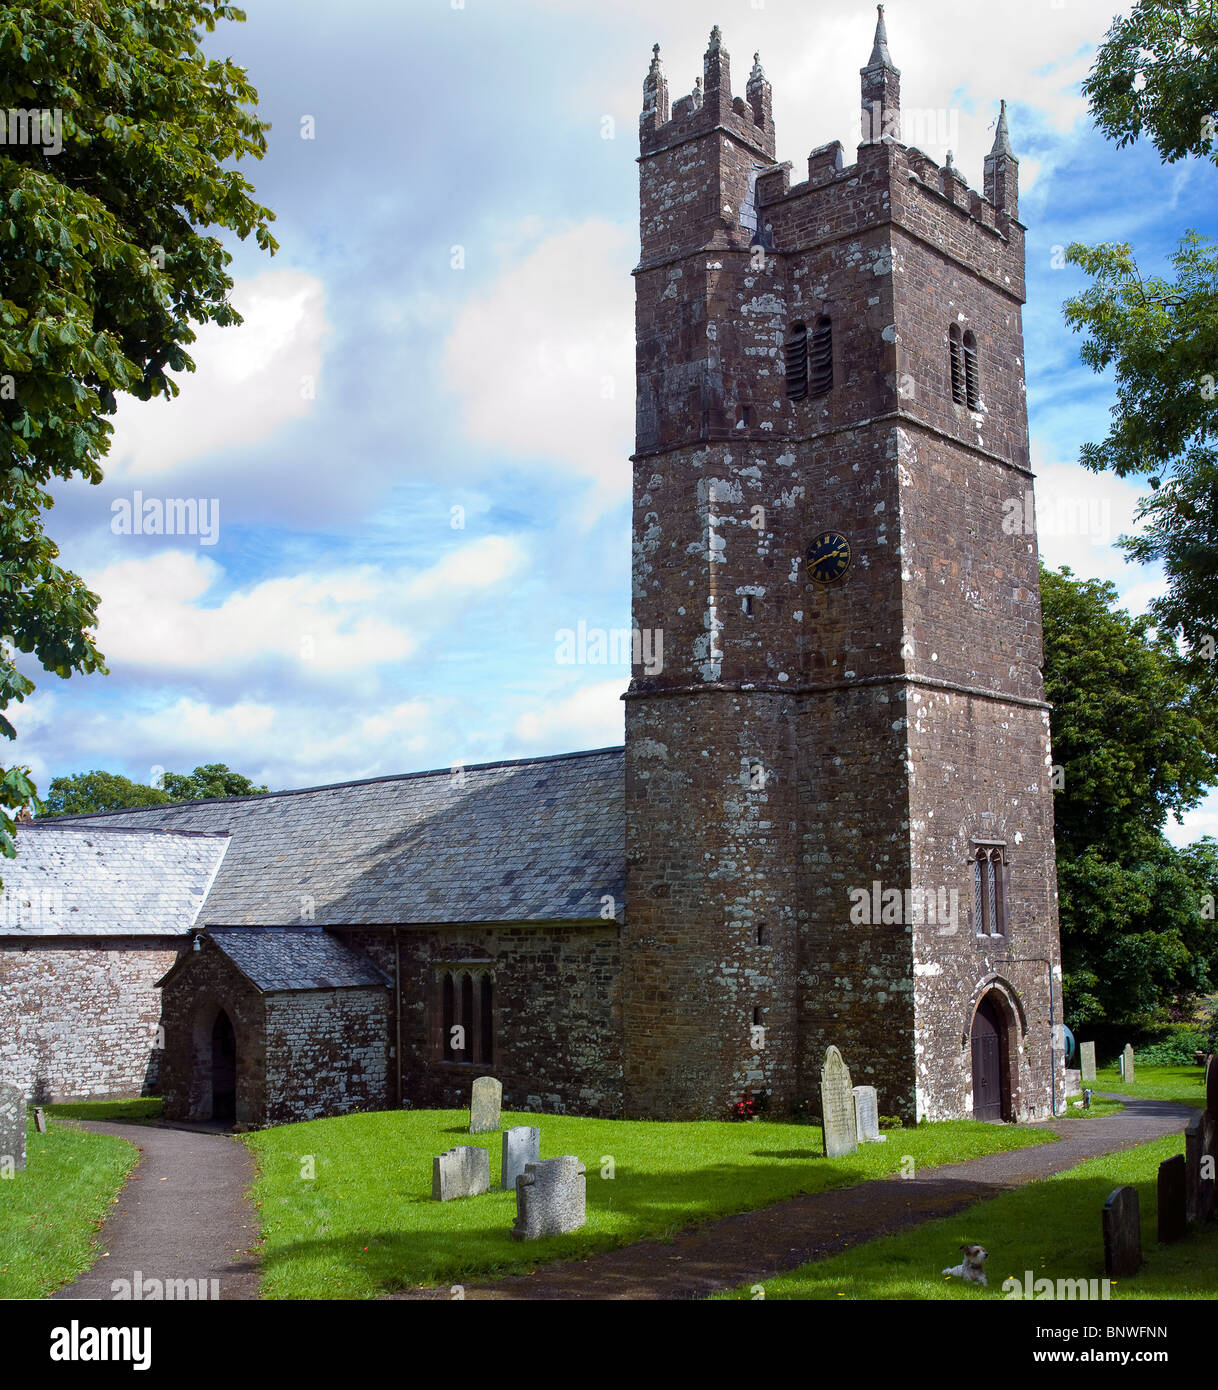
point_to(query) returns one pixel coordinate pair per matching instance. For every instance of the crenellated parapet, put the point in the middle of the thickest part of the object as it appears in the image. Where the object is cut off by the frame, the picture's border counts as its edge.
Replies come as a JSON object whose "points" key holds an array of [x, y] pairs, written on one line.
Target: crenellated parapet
{"points": [[709, 107]]}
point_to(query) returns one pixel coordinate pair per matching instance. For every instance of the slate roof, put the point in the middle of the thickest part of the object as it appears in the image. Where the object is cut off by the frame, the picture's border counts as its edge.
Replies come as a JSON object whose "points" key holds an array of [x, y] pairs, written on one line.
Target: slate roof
{"points": [[273, 959], [538, 840], [106, 880]]}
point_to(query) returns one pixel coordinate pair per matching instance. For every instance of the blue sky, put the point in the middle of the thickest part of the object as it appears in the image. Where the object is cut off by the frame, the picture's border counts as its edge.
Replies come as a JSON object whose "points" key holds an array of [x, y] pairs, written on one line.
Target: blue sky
{"points": [[418, 442]]}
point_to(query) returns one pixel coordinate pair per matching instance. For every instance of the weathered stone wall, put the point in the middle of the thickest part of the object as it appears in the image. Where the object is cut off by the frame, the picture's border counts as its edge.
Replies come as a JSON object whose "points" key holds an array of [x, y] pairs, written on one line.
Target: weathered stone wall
{"points": [[79, 1017], [556, 1016], [327, 1053]]}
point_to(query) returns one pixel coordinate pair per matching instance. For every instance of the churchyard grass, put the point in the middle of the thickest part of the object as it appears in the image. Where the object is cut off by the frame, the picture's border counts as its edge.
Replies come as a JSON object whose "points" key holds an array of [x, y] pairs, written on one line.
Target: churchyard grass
{"points": [[50, 1213], [365, 1222], [1050, 1227], [133, 1111], [1098, 1108], [1183, 1084]]}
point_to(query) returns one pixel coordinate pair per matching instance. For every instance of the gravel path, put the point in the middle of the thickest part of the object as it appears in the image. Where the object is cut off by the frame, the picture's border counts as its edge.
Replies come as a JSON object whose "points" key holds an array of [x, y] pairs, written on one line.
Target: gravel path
{"points": [[183, 1215], [754, 1246]]}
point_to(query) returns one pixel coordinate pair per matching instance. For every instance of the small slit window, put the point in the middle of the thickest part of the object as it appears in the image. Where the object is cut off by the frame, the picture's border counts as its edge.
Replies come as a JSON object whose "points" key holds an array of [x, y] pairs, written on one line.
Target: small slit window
{"points": [[820, 358], [797, 362], [955, 347], [972, 389]]}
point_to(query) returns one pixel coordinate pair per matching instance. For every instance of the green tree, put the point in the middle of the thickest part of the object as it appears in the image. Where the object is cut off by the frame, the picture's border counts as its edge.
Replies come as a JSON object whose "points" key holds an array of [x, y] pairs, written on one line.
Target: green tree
{"points": [[1156, 76], [126, 131], [212, 780], [98, 791], [1136, 736]]}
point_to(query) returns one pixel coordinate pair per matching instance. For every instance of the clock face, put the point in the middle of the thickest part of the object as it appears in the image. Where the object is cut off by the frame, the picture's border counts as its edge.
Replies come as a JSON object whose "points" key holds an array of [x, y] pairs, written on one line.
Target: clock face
{"points": [[828, 557]]}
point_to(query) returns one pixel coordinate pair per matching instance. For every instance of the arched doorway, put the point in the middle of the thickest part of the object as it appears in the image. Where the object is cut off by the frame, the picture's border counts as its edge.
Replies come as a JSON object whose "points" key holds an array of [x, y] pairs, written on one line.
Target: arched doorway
{"points": [[991, 1083], [223, 1069]]}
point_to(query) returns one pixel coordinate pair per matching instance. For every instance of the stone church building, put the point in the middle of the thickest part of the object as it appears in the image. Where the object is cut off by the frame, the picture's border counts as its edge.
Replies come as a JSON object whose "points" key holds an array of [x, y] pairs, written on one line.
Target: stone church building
{"points": [[832, 821]]}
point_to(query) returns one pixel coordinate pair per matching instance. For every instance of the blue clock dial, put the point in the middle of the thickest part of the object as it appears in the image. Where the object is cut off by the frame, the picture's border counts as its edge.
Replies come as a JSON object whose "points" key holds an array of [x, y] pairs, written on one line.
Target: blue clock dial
{"points": [[828, 558]]}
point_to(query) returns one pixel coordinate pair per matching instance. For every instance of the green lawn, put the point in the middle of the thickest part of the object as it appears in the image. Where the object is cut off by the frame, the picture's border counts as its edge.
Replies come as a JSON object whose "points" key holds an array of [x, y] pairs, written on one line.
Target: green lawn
{"points": [[1183, 1084], [366, 1222], [1051, 1227], [50, 1213], [135, 1111]]}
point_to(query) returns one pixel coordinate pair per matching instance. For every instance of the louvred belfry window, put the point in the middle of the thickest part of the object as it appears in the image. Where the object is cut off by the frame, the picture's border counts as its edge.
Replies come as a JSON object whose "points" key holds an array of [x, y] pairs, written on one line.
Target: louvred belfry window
{"points": [[972, 387], [797, 362], [820, 359], [956, 353]]}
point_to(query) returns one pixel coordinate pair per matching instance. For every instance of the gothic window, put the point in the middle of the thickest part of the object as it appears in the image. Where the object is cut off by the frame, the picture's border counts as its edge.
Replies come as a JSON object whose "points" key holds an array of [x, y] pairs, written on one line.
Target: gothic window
{"points": [[972, 389], [989, 890], [820, 358], [464, 1000], [797, 362], [956, 353]]}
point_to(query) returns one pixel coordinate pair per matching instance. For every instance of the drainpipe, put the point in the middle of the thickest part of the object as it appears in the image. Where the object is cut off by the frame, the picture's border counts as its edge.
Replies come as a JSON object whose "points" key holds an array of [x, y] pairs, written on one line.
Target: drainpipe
{"points": [[1044, 960], [397, 995]]}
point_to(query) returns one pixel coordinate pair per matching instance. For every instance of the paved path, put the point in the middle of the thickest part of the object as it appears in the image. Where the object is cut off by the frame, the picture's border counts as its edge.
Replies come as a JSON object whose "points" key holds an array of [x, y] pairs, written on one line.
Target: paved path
{"points": [[182, 1215], [754, 1246]]}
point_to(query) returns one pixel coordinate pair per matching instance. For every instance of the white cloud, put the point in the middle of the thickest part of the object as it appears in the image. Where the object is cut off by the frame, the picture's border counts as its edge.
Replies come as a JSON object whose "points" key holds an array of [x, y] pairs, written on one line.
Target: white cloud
{"points": [[249, 381], [590, 717], [154, 612], [544, 360]]}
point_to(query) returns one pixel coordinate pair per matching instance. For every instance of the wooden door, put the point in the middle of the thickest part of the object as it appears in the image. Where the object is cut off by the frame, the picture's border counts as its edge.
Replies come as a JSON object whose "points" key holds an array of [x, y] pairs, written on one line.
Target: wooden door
{"points": [[987, 1063]]}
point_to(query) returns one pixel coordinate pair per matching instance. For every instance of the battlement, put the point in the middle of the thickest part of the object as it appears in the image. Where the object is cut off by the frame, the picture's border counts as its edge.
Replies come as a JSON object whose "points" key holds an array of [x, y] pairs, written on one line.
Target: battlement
{"points": [[709, 107], [711, 180]]}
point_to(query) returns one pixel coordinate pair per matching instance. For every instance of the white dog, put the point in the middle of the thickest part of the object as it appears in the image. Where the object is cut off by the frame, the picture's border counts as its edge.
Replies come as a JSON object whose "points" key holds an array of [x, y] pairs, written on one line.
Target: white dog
{"points": [[972, 1268]]}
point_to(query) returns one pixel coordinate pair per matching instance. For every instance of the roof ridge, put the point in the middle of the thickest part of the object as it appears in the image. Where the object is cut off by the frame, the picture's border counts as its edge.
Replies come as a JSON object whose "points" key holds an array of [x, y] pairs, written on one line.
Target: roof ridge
{"points": [[337, 786], [54, 823]]}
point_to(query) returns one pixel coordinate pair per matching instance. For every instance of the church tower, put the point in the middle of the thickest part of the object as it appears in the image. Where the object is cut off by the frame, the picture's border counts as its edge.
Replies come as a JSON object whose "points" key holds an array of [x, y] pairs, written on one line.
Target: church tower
{"points": [[838, 786]]}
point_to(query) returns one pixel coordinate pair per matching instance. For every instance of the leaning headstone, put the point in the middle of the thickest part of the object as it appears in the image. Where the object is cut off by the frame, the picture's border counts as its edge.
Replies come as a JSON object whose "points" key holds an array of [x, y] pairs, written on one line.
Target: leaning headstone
{"points": [[837, 1106], [521, 1146], [461, 1172], [1074, 1082], [867, 1116], [1127, 1065], [1087, 1061], [551, 1199], [1122, 1233], [1198, 1145], [40, 1119], [12, 1129], [1173, 1199], [1211, 1086], [484, 1105]]}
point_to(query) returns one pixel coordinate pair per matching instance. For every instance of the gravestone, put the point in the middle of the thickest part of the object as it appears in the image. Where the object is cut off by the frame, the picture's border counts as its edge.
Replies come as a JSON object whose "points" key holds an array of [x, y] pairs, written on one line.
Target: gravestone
{"points": [[1087, 1061], [12, 1128], [1211, 1086], [1127, 1070], [484, 1105], [1173, 1199], [40, 1119], [1198, 1145], [1122, 1233], [521, 1146], [461, 1172], [837, 1106], [867, 1116], [551, 1199]]}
